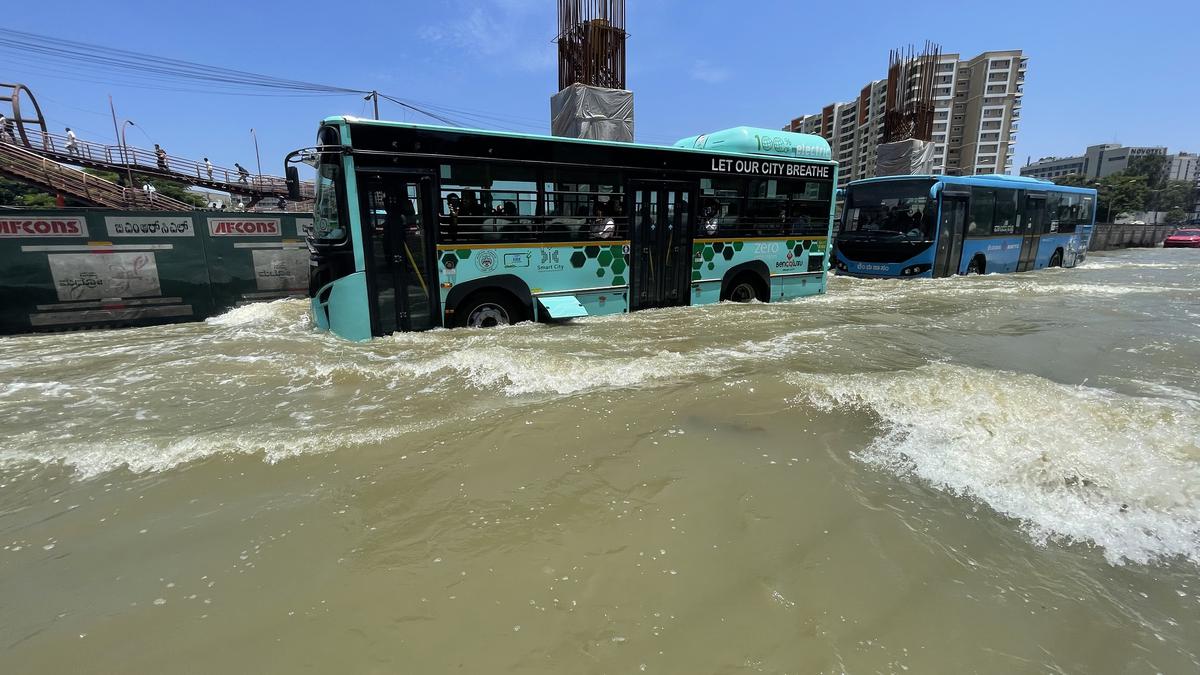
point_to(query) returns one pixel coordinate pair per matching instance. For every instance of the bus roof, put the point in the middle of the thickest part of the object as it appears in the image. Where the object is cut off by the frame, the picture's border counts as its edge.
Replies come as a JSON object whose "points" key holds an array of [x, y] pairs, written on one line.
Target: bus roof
{"points": [[737, 141], [989, 179]]}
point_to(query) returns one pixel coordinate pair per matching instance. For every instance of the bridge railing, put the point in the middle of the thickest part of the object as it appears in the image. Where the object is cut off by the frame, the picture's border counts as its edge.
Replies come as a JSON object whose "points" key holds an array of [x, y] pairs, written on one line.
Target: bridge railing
{"points": [[122, 158], [19, 162]]}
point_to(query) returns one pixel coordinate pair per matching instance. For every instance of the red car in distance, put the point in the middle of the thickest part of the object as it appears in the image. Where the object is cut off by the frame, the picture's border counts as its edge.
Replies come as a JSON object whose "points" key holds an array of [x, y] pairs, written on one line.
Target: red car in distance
{"points": [[1188, 238]]}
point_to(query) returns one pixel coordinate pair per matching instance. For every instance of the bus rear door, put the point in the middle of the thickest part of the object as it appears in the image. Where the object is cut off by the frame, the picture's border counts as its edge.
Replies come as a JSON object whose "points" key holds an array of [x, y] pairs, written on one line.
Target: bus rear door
{"points": [[660, 261], [399, 223], [1033, 216], [950, 236]]}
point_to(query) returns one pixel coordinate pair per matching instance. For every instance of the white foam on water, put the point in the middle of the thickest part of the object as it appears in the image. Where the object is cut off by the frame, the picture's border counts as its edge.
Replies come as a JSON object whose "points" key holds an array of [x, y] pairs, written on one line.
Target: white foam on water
{"points": [[1108, 263], [522, 370], [90, 458], [1074, 464], [279, 314]]}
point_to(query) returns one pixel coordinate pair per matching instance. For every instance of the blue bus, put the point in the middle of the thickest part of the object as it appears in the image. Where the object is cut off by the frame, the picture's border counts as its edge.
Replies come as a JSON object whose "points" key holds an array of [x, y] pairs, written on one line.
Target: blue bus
{"points": [[418, 227], [939, 226]]}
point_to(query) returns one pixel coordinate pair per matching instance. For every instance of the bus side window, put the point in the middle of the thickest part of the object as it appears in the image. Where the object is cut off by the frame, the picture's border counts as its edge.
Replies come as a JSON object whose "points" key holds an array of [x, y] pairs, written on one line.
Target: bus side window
{"points": [[1053, 200], [487, 203], [1071, 204], [1087, 214], [983, 203], [728, 195], [584, 205], [1005, 221]]}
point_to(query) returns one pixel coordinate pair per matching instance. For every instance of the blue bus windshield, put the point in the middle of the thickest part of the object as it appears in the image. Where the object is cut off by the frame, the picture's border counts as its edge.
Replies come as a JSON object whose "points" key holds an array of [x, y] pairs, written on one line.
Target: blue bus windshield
{"points": [[890, 210]]}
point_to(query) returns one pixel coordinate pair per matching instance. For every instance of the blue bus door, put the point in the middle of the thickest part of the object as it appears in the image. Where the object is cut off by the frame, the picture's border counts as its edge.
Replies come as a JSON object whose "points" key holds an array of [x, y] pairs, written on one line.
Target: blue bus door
{"points": [[397, 213], [1033, 216], [660, 262], [950, 236]]}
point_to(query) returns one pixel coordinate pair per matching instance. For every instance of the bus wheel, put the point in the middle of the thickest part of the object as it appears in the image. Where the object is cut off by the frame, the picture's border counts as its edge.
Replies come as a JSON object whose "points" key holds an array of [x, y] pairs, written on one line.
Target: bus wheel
{"points": [[744, 288], [488, 309], [977, 265], [1056, 259]]}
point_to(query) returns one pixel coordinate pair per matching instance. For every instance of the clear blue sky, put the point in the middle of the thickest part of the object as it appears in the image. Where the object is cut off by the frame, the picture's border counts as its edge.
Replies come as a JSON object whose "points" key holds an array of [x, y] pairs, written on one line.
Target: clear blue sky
{"points": [[1098, 71]]}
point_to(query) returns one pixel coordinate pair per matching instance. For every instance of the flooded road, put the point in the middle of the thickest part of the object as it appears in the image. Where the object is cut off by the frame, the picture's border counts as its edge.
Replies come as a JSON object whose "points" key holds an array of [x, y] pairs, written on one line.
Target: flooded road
{"points": [[986, 474]]}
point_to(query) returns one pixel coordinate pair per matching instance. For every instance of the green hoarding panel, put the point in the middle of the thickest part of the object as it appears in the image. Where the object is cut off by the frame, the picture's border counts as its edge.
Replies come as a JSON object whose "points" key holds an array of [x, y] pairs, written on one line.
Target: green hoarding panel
{"points": [[91, 268], [254, 257], [70, 269]]}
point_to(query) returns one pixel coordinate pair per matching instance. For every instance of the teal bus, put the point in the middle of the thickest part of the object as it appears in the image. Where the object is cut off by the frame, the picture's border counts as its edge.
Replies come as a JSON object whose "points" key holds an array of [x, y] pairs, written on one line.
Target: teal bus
{"points": [[417, 227], [940, 226]]}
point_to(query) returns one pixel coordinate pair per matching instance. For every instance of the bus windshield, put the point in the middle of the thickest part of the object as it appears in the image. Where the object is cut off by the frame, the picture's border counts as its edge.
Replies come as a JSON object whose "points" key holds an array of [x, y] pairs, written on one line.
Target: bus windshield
{"points": [[327, 229], [890, 210]]}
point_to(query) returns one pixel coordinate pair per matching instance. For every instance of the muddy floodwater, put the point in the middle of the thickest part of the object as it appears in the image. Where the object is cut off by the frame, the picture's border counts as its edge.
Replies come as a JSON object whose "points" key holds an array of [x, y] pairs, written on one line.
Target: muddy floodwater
{"points": [[995, 474]]}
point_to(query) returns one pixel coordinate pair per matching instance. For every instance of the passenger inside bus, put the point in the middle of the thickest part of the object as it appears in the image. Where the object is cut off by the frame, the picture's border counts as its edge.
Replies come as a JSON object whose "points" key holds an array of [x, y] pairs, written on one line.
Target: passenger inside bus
{"points": [[710, 217]]}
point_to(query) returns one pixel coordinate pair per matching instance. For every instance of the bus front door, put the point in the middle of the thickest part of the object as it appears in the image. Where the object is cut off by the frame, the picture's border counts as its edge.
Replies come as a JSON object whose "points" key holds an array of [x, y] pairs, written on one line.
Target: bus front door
{"points": [[661, 244], [402, 281], [950, 236], [1033, 217]]}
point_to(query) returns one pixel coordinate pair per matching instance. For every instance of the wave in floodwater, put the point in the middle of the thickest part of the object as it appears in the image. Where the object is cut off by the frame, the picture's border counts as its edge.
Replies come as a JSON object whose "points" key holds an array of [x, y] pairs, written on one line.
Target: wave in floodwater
{"points": [[1075, 464], [259, 379], [1120, 471]]}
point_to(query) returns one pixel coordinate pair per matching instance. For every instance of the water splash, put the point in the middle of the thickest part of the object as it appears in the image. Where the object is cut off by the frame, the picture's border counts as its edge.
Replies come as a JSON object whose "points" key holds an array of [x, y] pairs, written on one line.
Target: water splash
{"points": [[1073, 463]]}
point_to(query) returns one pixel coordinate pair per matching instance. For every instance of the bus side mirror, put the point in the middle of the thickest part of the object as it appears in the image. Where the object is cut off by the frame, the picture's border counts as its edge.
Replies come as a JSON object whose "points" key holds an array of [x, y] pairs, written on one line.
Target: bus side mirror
{"points": [[293, 182]]}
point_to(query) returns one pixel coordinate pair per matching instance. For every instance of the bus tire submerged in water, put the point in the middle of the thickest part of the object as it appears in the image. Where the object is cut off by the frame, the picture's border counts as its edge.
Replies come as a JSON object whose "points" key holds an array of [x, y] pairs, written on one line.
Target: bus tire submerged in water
{"points": [[977, 265], [1056, 259], [488, 309], [744, 287]]}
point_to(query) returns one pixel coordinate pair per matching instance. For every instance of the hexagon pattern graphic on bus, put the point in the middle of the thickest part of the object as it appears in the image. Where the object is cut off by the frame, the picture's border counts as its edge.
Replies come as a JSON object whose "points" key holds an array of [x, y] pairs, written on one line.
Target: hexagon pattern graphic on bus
{"points": [[607, 261], [706, 257]]}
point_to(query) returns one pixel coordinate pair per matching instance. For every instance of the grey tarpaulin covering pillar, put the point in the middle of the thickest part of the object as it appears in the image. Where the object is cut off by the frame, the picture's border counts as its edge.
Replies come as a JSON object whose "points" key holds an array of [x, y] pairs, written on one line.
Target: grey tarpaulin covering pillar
{"points": [[580, 111], [904, 158]]}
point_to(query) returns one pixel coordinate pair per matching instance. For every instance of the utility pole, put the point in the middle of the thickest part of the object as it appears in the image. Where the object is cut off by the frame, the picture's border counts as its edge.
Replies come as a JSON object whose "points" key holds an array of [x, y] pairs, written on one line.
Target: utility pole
{"points": [[257, 158], [125, 153], [116, 131], [373, 96]]}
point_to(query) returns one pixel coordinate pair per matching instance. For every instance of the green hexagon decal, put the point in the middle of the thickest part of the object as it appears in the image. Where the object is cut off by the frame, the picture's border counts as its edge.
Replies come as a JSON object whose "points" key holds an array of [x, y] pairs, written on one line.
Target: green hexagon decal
{"points": [[618, 281], [727, 253], [600, 272], [577, 259], [463, 253], [591, 251], [605, 258], [708, 253], [449, 261], [737, 245], [618, 265]]}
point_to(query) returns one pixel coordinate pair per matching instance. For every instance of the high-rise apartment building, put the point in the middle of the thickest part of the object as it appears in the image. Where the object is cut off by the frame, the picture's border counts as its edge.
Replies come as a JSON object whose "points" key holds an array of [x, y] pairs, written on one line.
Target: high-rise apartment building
{"points": [[977, 107]]}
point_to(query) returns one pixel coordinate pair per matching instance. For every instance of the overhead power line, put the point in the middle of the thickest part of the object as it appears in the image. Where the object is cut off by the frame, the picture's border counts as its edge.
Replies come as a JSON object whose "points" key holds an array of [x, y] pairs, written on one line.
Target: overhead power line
{"points": [[86, 62]]}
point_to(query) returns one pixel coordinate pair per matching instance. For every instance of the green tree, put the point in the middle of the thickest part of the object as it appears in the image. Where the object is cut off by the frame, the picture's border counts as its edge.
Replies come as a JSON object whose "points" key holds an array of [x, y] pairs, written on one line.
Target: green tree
{"points": [[1176, 216], [1075, 180], [13, 193], [1153, 167], [17, 193], [167, 188], [1177, 194], [39, 200], [1122, 193]]}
